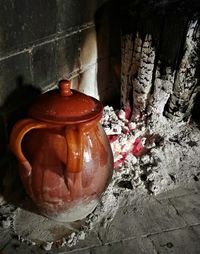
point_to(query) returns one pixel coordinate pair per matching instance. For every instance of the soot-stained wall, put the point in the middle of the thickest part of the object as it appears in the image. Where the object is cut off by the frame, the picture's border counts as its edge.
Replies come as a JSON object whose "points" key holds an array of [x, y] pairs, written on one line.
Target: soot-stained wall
{"points": [[43, 41]]}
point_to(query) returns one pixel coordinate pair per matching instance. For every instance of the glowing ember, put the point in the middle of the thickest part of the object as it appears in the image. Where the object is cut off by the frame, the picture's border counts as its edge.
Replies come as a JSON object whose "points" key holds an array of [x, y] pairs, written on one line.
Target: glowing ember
{"points": [[125, 136]]}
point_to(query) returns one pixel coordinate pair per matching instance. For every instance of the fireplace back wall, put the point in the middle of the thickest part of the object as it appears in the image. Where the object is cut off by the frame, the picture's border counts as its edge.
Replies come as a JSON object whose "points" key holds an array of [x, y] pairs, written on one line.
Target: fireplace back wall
{"points": [[43, 41]]}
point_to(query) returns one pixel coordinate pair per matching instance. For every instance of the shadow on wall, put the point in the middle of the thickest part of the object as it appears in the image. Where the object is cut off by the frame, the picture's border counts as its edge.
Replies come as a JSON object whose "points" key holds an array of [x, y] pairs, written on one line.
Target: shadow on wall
{"points": [[14, 108], [107, 24], [17, 103]]}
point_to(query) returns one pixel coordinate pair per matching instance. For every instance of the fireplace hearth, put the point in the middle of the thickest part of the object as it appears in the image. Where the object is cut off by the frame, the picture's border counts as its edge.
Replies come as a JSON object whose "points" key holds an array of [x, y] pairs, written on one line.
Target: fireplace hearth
{"points": [[142, 60]]}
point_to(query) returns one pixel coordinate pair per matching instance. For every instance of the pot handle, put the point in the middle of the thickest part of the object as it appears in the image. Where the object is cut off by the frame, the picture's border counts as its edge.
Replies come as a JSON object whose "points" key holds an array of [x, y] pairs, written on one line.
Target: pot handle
{"points": [[18, 132], [74, 139]]}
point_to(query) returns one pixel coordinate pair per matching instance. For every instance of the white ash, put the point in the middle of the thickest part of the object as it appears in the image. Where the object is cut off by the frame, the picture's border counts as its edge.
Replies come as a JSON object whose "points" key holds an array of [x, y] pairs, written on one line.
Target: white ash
{"points": [[172, 160], [2, 200], [6, 215], [111, 123], [162, 91], [81, 235], [5, 223], [178, 157], [47, 246]]}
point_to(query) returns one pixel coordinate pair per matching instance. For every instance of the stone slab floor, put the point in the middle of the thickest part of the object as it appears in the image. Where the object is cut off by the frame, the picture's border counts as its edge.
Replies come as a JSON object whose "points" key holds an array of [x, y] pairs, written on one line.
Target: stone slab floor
{"points": [[168, 223]]}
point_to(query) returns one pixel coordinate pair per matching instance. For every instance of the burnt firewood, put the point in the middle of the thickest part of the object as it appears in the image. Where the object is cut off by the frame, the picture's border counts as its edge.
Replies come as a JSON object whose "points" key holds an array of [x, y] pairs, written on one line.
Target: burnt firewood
{"points": [[160, 65]]}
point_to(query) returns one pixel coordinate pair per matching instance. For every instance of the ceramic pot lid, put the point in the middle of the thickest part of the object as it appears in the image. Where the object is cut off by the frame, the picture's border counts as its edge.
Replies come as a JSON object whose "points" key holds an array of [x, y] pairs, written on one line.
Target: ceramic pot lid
{"points": [[65, 105]]}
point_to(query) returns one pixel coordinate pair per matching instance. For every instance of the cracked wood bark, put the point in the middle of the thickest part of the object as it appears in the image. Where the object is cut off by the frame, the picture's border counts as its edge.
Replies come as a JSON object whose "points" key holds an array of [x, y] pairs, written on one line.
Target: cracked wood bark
{"points": [[186, 84], [136, 73], [152, 84]]}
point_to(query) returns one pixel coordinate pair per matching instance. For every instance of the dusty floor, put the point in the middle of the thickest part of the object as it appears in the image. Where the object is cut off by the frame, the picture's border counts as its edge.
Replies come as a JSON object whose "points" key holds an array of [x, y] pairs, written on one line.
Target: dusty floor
{"points": [[167, 223], [152, 204]]}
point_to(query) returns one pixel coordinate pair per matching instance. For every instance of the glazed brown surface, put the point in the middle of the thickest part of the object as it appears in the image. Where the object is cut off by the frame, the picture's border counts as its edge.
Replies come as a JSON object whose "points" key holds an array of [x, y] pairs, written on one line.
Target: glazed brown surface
{"points": [[65, 157], [58, 179]]}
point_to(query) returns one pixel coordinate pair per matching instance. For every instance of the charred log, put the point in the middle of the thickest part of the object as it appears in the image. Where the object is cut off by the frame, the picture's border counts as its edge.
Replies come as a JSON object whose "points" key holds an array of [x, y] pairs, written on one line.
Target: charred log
{"points": [[186, 83], [160, 60]]}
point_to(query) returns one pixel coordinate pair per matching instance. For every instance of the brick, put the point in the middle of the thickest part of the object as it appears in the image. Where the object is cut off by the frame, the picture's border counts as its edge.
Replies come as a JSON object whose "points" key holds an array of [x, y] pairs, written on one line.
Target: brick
{"points": [[178, 241], [188, 207], [17, 247], [17, 91], [88, 8], [147, 218], [5, 237], [44, 65], [129, 246], [68, 14], [24, 22], [15, 76], [67, 54], [72, 14]]}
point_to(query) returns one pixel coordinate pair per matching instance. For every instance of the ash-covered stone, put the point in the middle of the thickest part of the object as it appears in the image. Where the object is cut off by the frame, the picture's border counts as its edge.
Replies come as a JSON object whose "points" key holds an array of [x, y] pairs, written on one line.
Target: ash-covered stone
{"points": [[5, 222], [6, 215], [152, 158], [47, 246]]}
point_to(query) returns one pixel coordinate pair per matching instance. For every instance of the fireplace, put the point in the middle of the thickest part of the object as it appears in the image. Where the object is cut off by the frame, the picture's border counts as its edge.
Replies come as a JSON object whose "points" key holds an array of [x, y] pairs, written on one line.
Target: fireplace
{"points": [[141, 59]]}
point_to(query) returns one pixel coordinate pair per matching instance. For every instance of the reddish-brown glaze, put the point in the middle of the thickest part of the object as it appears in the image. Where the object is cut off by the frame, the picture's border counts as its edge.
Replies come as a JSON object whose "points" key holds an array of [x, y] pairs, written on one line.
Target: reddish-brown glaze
{"points": [[62, 164], [65, 106], [64, 88]]}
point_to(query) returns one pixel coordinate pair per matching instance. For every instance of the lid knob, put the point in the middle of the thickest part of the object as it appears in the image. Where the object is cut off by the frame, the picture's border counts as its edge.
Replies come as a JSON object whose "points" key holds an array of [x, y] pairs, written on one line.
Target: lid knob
{"points": [[64, 88]]}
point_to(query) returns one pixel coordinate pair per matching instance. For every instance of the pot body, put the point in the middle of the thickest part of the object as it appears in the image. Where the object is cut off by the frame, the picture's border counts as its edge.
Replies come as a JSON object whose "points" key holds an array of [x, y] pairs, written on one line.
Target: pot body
{"points": [[66, 181]]}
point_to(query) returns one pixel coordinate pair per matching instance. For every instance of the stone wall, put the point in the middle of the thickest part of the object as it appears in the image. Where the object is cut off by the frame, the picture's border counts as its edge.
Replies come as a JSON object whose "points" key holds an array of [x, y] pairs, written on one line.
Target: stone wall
{"points": [[43, 41]]}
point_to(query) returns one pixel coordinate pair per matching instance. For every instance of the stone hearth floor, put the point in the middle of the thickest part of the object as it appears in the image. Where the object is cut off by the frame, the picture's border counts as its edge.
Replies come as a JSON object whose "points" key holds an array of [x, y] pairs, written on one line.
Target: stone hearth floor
{"points": [[166, 223]]}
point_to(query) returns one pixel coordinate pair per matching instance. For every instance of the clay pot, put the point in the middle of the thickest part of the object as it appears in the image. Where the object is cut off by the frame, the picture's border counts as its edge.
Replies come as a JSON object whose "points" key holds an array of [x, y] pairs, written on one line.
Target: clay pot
{"points": [[64, 155]]}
